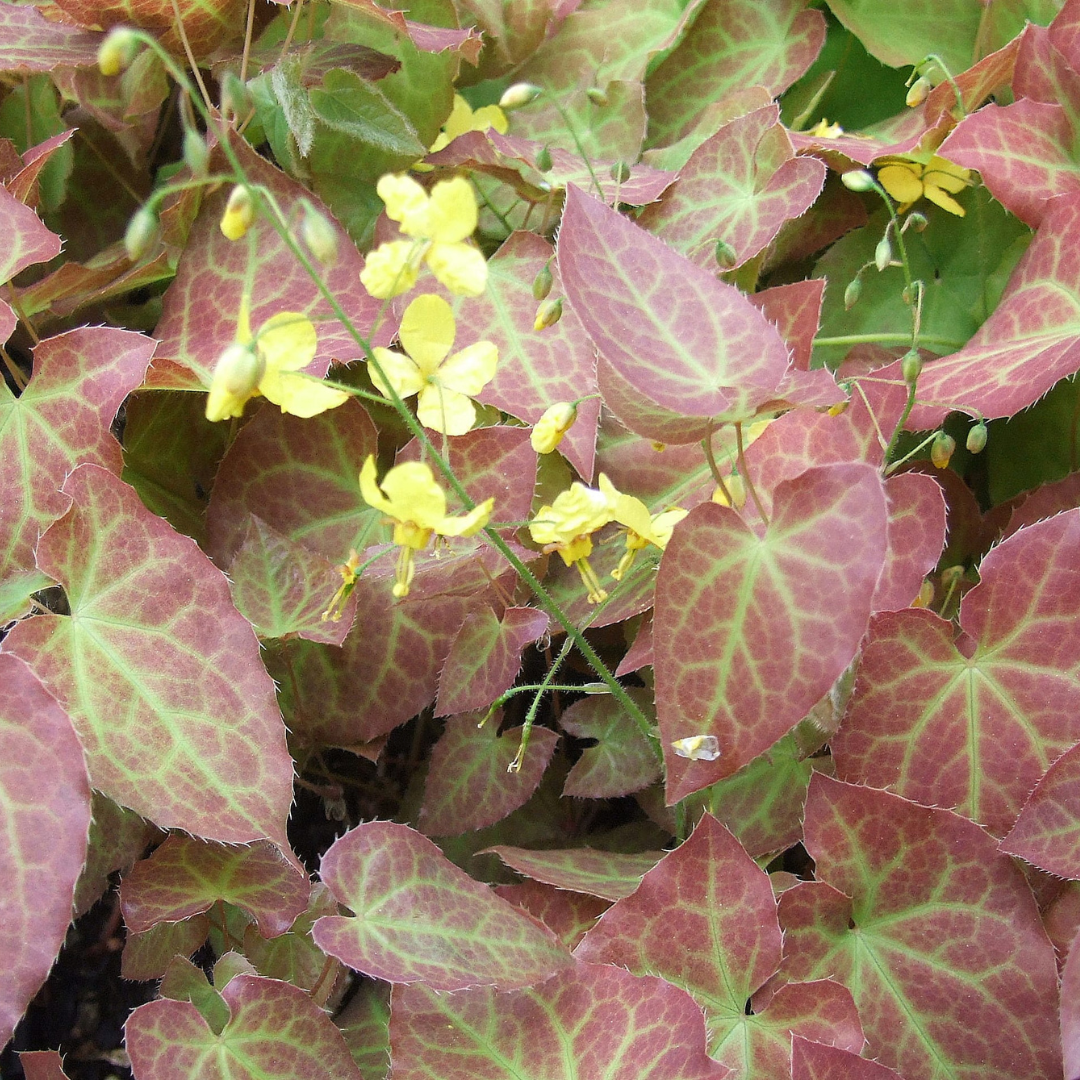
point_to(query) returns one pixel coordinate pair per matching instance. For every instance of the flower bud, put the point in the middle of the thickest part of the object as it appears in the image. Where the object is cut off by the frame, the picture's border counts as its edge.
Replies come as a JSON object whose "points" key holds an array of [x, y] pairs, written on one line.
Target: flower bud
{"points": [[915, 221], [236, 379], [852, 293], [319, 235], [552, 426], [140, 233], [698, 747], [883, 254], [857, 180], [839, 408], [911, 366], [518, 95], [726, 256], [926, 595], [196, 155], [620, 172], [118, 50], [941, 449], [543, 159], [597, 96], [542, 283], [976, 438], [548, 314], [239, 213], [919, 91]]}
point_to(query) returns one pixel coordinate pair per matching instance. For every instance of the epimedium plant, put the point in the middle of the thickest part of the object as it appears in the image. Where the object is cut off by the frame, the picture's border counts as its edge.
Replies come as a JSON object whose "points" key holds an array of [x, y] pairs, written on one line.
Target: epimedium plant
{"points": [[539, 540]]}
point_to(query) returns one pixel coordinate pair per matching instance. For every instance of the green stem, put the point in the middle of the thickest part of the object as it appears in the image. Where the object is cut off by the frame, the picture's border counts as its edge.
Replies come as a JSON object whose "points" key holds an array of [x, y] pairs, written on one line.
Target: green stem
{"points": [[887, 339], [577, 142], [530, 716]]}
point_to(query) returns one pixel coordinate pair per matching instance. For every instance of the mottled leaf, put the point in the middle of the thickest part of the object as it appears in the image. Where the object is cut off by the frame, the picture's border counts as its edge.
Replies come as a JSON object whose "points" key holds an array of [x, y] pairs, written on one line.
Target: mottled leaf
{"points": [[61, 420], [282, 587], [935, 932], [916, 538], [592, 1020], [750, 631], [811, 1060], [978, 720], [536, 369], [117, 838], [28, 241], [624, 759], [418, 918], [186, 877], [568, 914], [30, 42], [1070, 1014], [42, 1065], [150, 661], [733, 44], [739, 187], [147, 955], [699, 350], [468, 785], [365, 1024], [610, 875], [45, 812], [200, 308], [274, 1032]]}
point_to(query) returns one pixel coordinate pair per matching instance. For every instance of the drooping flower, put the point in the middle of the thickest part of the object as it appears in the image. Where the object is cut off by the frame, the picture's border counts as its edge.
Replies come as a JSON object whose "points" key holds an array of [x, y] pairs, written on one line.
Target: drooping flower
{"points": [[642, 528], [908, 181], [239, 214], [555, 422], [567, 525], [438, 224], [444, 385], [410, 496], [269, 363], [463, 117]]}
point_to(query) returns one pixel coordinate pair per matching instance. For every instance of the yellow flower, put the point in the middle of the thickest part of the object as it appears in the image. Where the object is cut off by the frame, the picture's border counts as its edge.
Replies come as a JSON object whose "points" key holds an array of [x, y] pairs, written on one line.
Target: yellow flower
{"points": [[439, 224], [567, 525], [824, 130], [444, 385], [556, 421], [464, 118], [908, 181], [239, 214], [269, 363], [410, 496], [642, 528]]}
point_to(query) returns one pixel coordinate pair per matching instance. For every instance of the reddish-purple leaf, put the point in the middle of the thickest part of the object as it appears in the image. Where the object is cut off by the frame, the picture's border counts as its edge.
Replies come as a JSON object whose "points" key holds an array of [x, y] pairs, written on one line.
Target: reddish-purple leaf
{"points": [[274, 1032], [200, 308], [283, 588], [1070, 1014], [811, 1060], [301, 478], [738, 187], [610, 875], [750, 631], [916, 537], [974, 724], [1047, 832], [536, 369], [592, 1020], [186, 877], [27, 239], [1028, 343], [61, 420], [468, 786], [934, 931], [418, 918], [703, 918], [567, 914], [795, 311], [45, 810], [732, 44], [30, 42], [148, 955], [485, 657], [150, 661], [624, 760], [700, 349], [42, 1065]]}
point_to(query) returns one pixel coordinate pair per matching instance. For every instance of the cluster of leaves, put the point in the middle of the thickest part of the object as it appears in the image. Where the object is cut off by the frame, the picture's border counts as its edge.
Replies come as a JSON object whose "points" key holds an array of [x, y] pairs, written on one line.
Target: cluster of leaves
{"points": [[791, 794]]}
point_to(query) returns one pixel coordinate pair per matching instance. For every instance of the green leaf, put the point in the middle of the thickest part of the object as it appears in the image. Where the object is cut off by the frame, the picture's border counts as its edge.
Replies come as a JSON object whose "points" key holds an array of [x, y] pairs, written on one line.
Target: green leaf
{"points": [[360, 110]]}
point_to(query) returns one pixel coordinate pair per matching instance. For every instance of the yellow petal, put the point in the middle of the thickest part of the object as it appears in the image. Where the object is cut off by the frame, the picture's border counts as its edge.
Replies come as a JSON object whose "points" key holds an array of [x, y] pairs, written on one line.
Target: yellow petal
{"points": [[451, 213], [235, 382], [946, 202], [944, 174], [574, 513], [387, 271], [901, 182], [467, 524], [406, 202], [427, 331], [490, 116], [552, 426], [414, 494], [470, 370], [287, 341], [460, 119], [460, 267], [663, 525], [400, 371], [445, 410], [369, 488], [625, 509], [298, 395]]}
